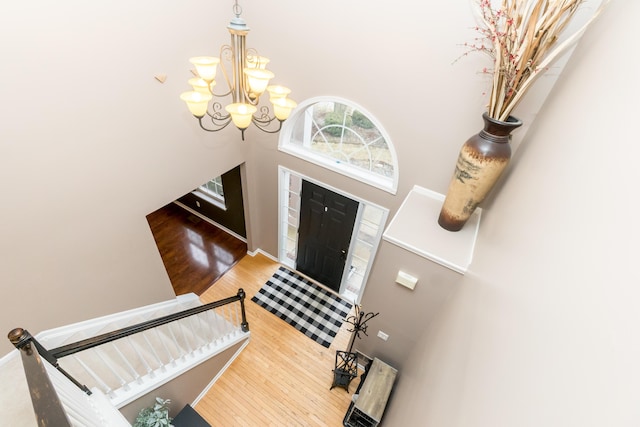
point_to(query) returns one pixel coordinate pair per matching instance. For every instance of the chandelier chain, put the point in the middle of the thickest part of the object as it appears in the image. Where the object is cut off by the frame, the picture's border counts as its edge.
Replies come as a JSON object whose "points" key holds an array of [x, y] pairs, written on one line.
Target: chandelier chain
{"points": [[237, 9]]}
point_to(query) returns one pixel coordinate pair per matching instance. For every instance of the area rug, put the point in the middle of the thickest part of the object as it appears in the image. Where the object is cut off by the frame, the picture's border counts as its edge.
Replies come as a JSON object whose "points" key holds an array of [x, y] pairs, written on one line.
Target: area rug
{"points": [[309, 308]]}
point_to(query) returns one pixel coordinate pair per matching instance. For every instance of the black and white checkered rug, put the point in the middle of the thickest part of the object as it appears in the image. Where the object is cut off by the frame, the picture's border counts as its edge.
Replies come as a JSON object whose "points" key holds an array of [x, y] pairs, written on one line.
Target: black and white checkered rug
{"points": [[309, 308]]}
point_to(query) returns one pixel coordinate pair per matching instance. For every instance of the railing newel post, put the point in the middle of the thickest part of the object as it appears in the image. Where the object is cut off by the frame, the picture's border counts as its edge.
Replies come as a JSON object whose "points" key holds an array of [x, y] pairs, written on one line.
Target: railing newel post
{"points": [[47, 406], [244, 325]]}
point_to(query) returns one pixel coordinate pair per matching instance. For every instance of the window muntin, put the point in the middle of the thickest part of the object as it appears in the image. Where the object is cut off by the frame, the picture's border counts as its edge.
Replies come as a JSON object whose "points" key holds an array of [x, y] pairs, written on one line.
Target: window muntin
{"points": [[213, 192], [213, 188], [343, 137]]}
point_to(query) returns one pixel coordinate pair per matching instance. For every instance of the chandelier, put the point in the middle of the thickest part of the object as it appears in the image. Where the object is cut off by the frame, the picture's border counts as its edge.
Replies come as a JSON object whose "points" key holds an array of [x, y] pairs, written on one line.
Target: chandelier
{"points": [[246, 80]]}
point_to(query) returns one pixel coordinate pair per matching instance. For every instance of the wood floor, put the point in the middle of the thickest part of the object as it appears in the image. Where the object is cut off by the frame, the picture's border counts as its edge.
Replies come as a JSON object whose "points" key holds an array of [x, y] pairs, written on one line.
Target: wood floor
{"points": [[282, 378], [195, 253]]}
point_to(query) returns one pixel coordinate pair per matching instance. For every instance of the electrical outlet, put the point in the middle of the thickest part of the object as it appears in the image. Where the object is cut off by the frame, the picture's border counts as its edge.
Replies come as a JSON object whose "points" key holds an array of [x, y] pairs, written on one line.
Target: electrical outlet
{"points": [[383, 336]]}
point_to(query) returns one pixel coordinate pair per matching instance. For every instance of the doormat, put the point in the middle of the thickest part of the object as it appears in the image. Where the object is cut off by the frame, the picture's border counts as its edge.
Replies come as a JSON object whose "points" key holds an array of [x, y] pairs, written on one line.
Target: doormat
{"points": [[309, 308]]}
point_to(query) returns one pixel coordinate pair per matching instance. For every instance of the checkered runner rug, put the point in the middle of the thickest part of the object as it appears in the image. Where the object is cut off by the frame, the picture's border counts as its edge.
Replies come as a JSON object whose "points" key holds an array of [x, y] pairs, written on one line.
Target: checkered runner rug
{"points": [[309, 308]]}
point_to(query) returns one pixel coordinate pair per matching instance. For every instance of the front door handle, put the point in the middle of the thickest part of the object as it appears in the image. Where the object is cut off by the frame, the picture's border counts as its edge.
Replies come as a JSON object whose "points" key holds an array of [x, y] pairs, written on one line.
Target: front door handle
{"points": [[343, 255]]}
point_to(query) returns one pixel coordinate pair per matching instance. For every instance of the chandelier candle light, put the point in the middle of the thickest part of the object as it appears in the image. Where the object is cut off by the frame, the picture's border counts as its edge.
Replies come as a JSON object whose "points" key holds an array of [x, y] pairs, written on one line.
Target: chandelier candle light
{"points": [[248, 80]]}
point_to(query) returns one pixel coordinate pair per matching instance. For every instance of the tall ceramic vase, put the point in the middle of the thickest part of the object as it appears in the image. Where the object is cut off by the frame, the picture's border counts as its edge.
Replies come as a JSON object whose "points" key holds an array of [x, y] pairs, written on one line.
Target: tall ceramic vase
{"points": [[481, 161]]}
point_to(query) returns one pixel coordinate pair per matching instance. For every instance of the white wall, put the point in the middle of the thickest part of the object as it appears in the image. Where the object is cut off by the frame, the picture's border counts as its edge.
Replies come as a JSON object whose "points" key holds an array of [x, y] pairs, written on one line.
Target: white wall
{"points": [[90, 143], [521, 339], [543, 331], [396, 61]]}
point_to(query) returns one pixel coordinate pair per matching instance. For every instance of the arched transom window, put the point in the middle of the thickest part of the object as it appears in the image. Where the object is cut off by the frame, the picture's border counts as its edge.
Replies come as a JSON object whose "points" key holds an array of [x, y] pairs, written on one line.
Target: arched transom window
{"points": [[343, 137]]}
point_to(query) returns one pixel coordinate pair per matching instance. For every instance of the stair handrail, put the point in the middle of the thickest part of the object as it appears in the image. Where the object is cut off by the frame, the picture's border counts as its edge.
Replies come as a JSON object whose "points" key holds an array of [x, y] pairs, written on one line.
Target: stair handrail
{"points": [[24, 341], [105, 338]]}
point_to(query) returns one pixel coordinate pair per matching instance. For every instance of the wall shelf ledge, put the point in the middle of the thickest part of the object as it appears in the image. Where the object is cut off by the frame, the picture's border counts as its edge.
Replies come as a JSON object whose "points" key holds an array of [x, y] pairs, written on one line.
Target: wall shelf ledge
{"points": [[415, 228]]}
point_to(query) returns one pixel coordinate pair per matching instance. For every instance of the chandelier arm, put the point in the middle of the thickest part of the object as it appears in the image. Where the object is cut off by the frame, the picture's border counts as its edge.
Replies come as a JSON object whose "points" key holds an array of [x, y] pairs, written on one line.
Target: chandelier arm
{"points": [[248, 99], [218, 126], [263, 125], [216, 114], [226, 53], [264, 118], [220, 95], [246, 95], [250, 53]]}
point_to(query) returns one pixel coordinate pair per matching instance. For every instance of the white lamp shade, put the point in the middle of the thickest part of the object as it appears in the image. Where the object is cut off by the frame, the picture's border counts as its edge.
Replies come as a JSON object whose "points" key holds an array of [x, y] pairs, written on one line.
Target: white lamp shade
{"points": [[200, 85], [277, 92], [197, 102], [241, 114], [258, 80], [255, 61], [206, 67], [282, 108]]}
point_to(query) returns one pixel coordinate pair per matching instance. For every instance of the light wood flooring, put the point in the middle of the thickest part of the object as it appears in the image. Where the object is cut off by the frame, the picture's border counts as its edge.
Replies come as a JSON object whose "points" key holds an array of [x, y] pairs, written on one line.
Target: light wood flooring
{"points": [[282, 378]]}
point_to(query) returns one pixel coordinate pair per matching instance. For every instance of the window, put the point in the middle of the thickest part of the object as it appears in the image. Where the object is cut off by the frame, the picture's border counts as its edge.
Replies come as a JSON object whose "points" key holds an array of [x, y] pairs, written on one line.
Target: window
{"points": [[343, 137], [212, 191]]}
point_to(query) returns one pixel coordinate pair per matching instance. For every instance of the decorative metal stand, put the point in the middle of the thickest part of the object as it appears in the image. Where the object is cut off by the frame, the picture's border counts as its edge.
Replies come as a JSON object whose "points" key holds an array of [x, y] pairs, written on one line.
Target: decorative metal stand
{"points": [[346, 366]]}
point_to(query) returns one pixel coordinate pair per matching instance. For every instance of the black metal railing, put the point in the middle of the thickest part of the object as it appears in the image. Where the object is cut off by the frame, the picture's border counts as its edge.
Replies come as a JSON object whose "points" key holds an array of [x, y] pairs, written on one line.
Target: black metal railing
{"points": [[44, 398], [88, 343]]}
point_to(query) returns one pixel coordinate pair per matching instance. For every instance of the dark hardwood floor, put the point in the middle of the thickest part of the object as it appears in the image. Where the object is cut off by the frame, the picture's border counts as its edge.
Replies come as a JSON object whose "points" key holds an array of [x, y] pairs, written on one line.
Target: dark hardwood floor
{"points": [[195, 252]]}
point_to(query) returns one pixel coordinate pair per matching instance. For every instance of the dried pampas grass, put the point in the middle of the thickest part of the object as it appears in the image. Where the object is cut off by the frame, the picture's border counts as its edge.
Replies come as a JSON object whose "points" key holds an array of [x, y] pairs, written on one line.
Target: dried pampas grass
{"points": [[523, 38]]}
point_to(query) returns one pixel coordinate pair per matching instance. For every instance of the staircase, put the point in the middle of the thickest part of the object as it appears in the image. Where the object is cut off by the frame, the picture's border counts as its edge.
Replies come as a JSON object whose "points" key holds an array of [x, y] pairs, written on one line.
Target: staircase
{"points": [[131, 366]]}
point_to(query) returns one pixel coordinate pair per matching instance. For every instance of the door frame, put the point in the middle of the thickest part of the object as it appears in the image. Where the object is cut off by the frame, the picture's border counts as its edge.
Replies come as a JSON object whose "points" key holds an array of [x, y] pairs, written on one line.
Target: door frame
{"points": [[283, 191]]}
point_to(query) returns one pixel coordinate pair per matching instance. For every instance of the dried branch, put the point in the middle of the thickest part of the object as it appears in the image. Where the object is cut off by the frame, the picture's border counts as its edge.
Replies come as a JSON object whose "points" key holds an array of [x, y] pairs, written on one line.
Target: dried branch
{"points": [[522, 37]]}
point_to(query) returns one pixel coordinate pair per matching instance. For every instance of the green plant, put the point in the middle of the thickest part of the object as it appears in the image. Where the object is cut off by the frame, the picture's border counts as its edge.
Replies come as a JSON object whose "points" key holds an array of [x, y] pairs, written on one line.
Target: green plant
{"points": [[361, 120], [155, 416], [334, 121]]}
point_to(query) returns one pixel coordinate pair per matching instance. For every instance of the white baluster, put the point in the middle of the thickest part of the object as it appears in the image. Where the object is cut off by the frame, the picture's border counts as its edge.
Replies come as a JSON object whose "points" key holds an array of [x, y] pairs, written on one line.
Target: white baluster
{"points": [[153, 351], [181, 351], [131, 369], [229, 328], [105, 388], [181, 327], [140, 356], [210, 321], [237, 319], [163, 341], [109, 366], [219, 325], [198, 340], [203, 330]]}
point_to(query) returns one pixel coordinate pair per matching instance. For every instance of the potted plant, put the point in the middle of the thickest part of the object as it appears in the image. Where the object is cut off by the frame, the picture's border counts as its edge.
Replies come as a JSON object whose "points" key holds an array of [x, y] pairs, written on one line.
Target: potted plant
{"points": [[155, 416], [522, 38]]}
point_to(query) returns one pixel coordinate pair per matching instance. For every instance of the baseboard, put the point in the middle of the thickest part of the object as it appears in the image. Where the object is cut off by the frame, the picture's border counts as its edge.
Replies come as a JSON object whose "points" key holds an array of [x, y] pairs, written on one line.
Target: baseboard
{"points": [[261, 252], [210, 221], [222, 371]]}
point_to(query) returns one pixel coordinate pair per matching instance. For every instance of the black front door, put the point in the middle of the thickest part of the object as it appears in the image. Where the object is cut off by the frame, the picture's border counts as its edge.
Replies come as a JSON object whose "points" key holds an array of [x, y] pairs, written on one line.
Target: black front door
{"points": [[324, 234]]}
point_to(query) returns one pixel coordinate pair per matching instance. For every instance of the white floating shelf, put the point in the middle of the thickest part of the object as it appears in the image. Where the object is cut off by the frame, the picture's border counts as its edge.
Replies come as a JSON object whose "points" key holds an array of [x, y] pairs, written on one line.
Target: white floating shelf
{"points": [[415, 228]]}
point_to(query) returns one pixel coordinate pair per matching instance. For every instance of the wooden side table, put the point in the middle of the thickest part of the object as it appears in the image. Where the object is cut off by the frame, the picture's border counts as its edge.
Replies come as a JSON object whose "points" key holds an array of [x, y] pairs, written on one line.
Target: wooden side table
{"points": [[369, 406]]}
